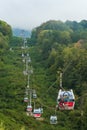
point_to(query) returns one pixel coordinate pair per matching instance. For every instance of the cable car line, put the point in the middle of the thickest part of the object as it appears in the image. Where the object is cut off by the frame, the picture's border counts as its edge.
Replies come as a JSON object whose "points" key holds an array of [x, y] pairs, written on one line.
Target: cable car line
{"points": [[62, 72], [68, 96], [46, 105]]}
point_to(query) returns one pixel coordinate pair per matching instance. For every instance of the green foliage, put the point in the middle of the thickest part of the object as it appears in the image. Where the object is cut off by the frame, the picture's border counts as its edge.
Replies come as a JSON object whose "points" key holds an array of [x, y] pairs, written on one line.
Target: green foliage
{"points": [[53, 52], [5, 35], [53, 25], [58, 31], [5, 29], [16, 41], [3, 42]]}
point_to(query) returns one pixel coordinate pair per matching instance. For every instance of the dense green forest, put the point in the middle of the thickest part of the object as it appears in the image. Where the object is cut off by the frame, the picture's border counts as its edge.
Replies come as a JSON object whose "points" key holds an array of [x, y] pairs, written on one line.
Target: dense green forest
{"points": [[54, 46]]}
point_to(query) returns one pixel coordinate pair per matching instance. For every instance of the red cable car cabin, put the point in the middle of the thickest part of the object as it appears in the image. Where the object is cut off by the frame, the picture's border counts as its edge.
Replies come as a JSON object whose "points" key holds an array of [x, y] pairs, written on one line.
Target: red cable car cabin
{"points": [[29, 108], [26, 99], [37, 113], [66, 100]]}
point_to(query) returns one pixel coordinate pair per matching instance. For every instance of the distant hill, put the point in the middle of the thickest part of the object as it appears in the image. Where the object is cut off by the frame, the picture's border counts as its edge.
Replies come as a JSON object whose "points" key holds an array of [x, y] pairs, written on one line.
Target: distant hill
{"points": [[20, 32]]}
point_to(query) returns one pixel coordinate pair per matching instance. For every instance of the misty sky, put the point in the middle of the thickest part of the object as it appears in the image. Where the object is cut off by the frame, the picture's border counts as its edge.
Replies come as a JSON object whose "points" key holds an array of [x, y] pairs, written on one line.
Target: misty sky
{"points": [[28, 14]]}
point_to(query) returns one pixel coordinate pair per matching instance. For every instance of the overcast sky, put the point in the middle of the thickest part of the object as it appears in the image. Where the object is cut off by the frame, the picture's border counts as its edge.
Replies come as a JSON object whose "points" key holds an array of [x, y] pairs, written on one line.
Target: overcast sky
{"points": [[28, 14]]}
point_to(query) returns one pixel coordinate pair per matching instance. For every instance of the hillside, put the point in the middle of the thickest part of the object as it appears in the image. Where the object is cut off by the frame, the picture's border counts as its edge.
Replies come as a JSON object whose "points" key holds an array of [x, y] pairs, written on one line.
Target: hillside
{"points": [[51, 50]]}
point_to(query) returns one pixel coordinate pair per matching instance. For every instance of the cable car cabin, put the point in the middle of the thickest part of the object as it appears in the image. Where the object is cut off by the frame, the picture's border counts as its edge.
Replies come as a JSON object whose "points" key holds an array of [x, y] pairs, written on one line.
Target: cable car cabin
{"points": [[29, 108], [66, 100], [29, 60], [53, 119], [37, 113], [34, 95], [22, 55], [25, 99]]}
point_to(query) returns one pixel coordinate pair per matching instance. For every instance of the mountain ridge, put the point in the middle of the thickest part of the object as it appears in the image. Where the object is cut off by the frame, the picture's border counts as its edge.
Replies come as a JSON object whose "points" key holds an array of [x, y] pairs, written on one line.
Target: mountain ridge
{"points": [[21, 32]]}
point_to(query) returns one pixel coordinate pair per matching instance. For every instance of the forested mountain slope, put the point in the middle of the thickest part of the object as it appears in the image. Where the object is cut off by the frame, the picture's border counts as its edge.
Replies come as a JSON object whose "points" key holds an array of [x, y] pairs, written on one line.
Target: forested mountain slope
{"points": [[53, 47]]}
